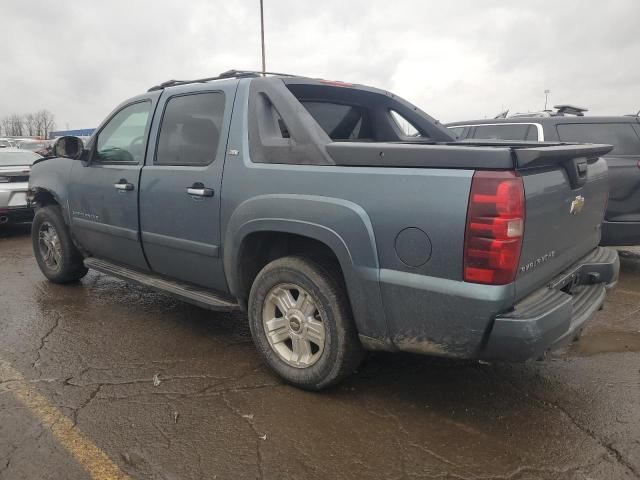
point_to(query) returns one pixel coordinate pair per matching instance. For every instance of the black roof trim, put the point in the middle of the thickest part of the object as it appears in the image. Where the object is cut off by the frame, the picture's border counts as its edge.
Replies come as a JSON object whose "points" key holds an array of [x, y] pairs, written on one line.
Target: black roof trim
{"points": [[223, 75]]}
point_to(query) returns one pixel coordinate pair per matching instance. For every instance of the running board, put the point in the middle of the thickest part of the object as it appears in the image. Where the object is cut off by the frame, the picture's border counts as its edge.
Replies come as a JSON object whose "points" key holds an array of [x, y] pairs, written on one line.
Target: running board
{"points": [[189, 293]]}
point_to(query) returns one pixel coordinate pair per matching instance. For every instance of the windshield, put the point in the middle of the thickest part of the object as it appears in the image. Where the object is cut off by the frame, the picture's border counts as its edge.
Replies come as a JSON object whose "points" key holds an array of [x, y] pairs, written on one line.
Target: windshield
{"points": [[17, 158]]}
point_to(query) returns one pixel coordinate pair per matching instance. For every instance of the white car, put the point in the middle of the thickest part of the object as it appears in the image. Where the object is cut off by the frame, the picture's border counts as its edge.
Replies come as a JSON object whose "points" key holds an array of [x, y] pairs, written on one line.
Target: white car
{"points": [[15, 167]]}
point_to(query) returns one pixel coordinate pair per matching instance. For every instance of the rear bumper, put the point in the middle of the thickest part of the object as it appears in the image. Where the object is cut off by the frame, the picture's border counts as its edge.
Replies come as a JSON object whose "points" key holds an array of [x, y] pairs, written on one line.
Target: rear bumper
{"points": [[620, 233], [551, 317]]}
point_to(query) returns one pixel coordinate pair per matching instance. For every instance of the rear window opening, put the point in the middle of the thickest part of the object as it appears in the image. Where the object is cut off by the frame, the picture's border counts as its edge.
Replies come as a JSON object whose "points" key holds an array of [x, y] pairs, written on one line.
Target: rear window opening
{"points": [[361, 115], [406, 127], [341, 121]]}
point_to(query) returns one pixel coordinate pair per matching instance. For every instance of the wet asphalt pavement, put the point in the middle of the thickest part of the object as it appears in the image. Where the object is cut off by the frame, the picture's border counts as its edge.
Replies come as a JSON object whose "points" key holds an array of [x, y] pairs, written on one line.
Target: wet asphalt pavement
{"points": [[90, 353]]}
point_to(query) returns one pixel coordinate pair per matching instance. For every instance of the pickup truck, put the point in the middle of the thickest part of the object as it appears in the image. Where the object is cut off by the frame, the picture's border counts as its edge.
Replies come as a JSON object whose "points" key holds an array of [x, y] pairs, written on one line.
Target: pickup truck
{"points": [[340, 217]]}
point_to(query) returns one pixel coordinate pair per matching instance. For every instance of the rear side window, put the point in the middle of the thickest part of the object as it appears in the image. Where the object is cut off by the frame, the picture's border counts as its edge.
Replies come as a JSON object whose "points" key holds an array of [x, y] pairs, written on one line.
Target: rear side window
{"points": [[622, 136], [190, 130], [341, 121], [506, 132]]}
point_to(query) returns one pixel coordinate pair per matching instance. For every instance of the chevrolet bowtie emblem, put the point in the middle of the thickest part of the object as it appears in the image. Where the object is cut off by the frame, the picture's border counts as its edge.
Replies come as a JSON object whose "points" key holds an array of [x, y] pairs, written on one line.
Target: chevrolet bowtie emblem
{"points": [[577, 205]]}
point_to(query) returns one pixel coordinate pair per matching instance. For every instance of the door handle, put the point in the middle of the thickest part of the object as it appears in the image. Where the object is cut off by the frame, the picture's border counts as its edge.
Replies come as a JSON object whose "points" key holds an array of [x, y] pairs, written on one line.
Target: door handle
{"points": [[199, 190], [123, 185]]}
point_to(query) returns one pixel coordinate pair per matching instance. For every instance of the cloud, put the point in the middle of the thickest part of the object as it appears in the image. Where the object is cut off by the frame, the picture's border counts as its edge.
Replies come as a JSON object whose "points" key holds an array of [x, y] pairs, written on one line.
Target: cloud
{"points": [[456, 60]]}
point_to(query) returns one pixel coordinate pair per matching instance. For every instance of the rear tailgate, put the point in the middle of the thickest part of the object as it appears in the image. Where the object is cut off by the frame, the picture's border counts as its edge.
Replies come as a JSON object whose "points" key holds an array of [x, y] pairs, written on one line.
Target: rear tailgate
{"points": [[566, 190]]}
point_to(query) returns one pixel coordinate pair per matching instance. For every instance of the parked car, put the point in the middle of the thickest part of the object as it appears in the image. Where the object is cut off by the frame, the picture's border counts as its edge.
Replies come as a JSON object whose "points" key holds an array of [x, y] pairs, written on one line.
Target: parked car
{"points": [[334, 226], [33, 145], [7, 143], [15, 165], [569, 124]]}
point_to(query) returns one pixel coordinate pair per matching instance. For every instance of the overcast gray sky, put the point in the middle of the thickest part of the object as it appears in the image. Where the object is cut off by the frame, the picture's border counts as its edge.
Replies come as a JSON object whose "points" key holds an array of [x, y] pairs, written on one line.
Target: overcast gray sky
{"points": [[455, 59]]}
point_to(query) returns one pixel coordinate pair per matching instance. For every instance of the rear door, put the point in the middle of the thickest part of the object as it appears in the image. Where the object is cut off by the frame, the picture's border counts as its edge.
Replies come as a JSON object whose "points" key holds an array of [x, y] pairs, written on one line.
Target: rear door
{"points": [[624, 174], [180, 185], [103, 194]]}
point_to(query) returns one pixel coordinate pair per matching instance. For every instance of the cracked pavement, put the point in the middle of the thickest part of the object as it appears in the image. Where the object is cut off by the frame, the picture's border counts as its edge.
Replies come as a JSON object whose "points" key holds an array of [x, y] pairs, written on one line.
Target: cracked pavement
{"points": [[92, 350]]}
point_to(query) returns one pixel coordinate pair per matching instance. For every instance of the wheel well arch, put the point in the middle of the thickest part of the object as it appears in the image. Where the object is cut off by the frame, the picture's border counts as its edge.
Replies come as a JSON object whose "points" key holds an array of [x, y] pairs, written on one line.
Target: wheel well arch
{"points": [[42, 197], [262, 247]]}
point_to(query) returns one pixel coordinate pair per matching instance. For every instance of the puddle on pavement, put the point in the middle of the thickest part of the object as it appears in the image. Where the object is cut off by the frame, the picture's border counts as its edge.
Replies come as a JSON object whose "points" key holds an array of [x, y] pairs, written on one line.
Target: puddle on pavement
{"points": [[607, 342]]}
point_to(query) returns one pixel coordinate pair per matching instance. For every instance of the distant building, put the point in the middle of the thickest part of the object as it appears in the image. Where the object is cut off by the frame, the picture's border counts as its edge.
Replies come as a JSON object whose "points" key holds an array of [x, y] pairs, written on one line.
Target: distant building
{"points": [[83, 132]]}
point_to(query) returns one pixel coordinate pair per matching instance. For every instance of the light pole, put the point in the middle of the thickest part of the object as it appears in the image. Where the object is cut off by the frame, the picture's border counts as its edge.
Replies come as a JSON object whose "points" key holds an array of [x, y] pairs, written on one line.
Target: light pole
{"points": [[546, 92], [264, 68]]}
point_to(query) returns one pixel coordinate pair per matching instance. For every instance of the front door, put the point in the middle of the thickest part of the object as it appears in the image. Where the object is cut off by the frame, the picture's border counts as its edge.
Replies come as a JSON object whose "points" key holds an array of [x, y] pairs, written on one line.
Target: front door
{"points": [[103, 194], [180, 186]]}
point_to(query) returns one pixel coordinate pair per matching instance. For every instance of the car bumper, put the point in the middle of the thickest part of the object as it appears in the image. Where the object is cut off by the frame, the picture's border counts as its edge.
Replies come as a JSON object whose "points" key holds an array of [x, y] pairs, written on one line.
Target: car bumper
{"points": [[554, 315], [13, 202], [13, 195], [620, 233]]}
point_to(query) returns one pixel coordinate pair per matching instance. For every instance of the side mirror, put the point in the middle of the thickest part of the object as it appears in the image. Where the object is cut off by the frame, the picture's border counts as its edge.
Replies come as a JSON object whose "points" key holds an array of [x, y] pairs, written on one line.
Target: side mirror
{"points": [[69, 147]]}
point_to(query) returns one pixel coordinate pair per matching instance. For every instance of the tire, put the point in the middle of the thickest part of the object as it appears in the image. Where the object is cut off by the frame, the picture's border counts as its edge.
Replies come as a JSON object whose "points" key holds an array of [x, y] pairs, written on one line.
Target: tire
{"points": [[302, 359], [57, 256]]}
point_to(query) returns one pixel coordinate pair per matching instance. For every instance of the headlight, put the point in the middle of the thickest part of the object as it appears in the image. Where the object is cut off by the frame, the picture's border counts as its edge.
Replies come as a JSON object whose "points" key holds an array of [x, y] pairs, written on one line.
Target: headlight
{"points": [[4, 179]]}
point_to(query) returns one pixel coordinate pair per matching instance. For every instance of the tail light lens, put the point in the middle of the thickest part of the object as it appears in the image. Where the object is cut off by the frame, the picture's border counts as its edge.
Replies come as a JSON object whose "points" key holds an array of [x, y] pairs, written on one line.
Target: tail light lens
{"points": [[495, 227]]}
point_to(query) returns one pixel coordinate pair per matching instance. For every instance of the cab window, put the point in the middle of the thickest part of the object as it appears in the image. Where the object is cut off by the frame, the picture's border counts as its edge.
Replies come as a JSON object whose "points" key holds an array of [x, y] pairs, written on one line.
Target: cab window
{"points": [[122, 140], [190, 130]]}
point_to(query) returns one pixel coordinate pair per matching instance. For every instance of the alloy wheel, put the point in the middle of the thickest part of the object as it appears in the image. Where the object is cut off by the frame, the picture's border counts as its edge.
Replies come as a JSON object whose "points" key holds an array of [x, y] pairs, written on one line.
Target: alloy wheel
{"points": [[293, 325]]}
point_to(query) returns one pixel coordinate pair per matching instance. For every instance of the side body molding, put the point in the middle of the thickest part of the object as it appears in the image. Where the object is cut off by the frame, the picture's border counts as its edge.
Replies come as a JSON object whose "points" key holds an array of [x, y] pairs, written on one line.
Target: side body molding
{"points": [[340, 224]]}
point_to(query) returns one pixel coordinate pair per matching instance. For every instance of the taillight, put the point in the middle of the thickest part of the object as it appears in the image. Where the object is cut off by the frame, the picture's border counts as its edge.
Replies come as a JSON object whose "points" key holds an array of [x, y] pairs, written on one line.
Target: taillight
{"points": [[495, 227]]}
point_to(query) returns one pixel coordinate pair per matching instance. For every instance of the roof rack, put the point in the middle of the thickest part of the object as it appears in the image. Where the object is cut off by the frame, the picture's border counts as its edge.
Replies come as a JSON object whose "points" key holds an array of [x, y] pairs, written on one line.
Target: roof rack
{"points": [[227, 74], [561, 111], [571, 110]]}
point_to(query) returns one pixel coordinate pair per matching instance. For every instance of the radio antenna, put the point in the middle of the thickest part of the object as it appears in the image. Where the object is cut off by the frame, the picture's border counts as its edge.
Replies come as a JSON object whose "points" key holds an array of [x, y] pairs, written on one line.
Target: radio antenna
{"points": [[264, 68]]}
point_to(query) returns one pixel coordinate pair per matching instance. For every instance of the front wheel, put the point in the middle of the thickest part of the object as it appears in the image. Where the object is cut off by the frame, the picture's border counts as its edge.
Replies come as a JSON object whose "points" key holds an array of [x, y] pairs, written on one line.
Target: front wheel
{"points": [[57, 256], [301, 322]]}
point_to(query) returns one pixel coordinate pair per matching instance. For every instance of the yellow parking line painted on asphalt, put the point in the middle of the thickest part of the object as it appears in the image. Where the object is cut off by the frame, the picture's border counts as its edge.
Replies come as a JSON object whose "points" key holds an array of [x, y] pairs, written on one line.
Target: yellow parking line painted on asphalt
{"points": [[95, 461]]}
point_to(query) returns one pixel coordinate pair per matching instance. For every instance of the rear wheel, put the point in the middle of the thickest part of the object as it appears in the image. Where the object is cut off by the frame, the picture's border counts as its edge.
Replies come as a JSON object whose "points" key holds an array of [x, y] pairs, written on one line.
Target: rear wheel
{"points": [[57, 256], [301, 322]]}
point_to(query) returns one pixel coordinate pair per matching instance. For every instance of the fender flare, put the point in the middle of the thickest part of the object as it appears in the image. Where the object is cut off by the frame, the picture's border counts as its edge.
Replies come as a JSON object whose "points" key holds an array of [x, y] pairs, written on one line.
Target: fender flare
{"points": [[340, 224], [51, 175]]}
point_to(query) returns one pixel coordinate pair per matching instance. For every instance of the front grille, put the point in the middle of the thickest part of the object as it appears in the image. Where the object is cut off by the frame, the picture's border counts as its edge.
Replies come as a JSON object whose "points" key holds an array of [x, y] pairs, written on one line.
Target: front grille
{"points": [[18, 178], [13, 178]]}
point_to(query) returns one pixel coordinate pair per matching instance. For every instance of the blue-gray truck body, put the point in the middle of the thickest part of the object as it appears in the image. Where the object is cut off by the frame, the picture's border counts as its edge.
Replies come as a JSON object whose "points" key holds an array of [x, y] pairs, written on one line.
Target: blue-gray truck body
{"points": [[392, 209]]}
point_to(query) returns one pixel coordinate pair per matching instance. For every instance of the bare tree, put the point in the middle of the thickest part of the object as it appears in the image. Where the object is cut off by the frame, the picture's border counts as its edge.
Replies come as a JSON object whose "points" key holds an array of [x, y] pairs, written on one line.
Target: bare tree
{"points": [[12, 125], [38, 124], [30, 124], [44, 123]]}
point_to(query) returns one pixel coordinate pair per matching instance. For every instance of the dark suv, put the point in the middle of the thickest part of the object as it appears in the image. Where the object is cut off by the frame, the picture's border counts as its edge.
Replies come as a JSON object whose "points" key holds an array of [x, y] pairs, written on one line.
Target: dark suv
{"points": [[569, 124]]}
